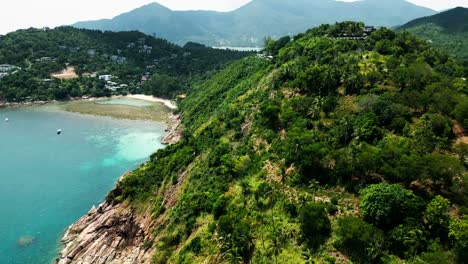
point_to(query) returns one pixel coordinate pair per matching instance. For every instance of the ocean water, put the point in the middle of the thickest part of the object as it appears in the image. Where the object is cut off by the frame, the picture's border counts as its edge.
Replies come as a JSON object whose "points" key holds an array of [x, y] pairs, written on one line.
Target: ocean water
{"points": [[48, 181]]}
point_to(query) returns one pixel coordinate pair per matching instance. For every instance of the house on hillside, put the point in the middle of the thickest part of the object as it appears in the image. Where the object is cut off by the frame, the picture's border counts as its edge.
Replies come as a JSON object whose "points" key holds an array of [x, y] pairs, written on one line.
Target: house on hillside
{"points": [[366, 31], [118, 59], [105, 77], [7, 67], [141, 41], [369, 29], [91, 52], [146, 49], [45, 59], [74, 49]]}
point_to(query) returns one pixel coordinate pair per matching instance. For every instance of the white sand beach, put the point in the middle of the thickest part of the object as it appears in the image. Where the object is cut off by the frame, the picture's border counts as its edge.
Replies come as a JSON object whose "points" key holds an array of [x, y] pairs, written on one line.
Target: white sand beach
{"points": [[167, 103]]}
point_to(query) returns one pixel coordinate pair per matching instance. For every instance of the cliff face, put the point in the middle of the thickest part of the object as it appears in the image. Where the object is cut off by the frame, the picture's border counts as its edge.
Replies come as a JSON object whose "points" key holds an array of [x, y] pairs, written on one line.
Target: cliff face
{"points": [[107, 234]]}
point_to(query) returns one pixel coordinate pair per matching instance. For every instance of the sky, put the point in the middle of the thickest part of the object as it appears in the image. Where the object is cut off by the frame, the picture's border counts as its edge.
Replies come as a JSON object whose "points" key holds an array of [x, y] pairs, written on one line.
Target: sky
{"points": [[16, 14]]}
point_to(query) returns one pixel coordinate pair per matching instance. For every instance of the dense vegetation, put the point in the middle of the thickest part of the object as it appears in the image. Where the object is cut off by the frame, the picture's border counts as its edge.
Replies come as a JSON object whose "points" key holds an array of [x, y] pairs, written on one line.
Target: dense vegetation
{"points": [[336, 150], [248, 25], [129, 56], [447, 31]]}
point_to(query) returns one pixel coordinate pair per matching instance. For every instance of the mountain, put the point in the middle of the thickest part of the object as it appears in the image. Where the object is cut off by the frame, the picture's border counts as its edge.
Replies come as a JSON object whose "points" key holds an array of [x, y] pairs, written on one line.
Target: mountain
{"points": [[30, 57], [447, 30], [248, 25], [331, 151]]}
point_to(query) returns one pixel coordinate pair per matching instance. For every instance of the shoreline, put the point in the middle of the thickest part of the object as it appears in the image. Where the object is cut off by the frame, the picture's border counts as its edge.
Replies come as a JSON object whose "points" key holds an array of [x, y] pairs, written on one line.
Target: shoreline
{"points": [[171, 121], [149, 98], [168, 103]]}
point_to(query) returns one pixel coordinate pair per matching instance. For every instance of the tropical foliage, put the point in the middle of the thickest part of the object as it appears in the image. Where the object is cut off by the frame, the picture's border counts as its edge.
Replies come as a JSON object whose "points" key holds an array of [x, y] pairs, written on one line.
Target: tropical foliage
{"points": [[130, 57], [334, 145]]}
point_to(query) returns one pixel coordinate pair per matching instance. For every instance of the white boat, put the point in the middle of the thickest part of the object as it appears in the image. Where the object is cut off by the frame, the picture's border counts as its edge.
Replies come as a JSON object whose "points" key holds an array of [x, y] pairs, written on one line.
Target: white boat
{"points": [[59, 131], [6, 119]]}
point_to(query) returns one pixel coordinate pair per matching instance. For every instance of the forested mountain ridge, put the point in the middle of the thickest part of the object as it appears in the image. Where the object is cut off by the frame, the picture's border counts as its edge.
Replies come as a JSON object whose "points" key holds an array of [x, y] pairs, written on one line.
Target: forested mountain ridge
{"points": [[248, 25], [31, 56], [336, 150], [447, 30]]}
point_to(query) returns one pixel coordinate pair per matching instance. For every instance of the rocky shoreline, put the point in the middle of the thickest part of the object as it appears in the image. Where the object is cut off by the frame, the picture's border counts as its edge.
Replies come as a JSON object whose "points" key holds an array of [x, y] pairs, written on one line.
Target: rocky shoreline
{"points": [[113, 233], [107, 234]]}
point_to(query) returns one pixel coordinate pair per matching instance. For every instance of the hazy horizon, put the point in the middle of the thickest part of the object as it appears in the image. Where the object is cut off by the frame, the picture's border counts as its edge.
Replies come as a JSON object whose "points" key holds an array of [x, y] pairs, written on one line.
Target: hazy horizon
{"points": [[52, 13]]}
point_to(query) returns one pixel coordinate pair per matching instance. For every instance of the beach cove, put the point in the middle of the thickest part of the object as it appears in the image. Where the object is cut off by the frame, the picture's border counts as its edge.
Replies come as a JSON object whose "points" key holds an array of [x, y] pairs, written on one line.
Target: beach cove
{"points": [[49, 181]]}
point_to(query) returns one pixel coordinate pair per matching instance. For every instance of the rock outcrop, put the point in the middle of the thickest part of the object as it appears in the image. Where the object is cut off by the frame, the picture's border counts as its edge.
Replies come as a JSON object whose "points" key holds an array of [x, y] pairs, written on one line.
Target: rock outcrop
{"points": [[107, 234], [174, 132]]}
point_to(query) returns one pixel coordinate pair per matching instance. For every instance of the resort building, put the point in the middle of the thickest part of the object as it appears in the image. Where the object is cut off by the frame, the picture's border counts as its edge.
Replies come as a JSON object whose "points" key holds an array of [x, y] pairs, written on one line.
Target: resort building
{"points": [[105, 77]]}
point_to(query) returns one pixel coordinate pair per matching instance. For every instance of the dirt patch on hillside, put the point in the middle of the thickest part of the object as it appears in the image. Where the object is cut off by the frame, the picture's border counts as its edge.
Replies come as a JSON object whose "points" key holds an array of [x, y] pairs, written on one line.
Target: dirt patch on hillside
{"points": [[460, 133], [66, 74]]}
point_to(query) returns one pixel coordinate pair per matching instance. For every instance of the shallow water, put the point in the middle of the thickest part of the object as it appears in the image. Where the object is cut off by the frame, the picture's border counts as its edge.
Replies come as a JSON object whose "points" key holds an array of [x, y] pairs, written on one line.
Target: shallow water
{"points": [[48, 181], [125, 101]]}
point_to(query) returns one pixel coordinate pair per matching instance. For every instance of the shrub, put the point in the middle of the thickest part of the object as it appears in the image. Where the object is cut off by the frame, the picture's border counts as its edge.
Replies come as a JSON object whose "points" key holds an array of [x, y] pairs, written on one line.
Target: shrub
{"points": [[407, 239], [459, 233], [315, 225], [358, 239], [436, 217], [235, 237], [387, 205]]}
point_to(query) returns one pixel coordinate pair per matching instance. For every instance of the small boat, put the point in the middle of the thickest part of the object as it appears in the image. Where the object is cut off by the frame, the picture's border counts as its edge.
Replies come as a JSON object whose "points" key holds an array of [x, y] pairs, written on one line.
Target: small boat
{"points": [[59, 131], [6, 119]]}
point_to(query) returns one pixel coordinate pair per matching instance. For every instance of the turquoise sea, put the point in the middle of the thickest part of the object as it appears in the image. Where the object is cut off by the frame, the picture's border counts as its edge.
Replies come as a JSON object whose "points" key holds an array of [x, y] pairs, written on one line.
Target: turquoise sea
{"points": [[48, 181]]}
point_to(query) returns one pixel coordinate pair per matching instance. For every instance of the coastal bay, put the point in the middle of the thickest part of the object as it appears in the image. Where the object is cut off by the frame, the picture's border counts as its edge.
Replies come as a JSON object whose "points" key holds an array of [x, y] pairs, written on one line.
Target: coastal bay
{"points": [[49, 180]]}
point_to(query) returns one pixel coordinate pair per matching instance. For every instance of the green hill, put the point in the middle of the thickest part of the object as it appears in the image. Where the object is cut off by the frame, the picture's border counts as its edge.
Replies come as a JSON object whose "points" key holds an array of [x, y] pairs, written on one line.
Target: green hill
{"points": [[447, 30], [248, 25], [335, 150], [129, 56]]}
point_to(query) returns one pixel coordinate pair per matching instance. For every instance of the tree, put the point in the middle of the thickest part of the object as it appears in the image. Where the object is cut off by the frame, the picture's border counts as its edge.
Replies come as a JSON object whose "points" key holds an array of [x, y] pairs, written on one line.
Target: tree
{"points": [[461, 112], [387, 205], [235, 235], [362, 241], [436, 217], [315, 225], [459, 233], [407, 239]]}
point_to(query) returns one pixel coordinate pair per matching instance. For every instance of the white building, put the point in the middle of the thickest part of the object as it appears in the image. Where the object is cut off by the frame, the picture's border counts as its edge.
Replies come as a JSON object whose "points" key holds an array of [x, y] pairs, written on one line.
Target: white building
{"points": [[105, 77], [6, 67]]}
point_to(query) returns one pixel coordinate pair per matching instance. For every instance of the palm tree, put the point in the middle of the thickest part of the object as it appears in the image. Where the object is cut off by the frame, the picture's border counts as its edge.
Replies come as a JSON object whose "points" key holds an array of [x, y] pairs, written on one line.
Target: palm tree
{"points": [[313, 186]]}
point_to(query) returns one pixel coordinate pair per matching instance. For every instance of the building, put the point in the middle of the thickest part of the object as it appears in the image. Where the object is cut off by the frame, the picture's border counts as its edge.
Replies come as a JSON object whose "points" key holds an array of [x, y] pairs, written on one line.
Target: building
{"points": [[366, 31], [3, 74], [45, 59], [91, 52], [6, 67], [74, 49], [118, 59], [115, 87], [105, 77], [369, 29], [146, 49]]}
